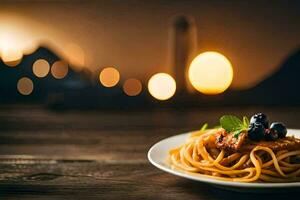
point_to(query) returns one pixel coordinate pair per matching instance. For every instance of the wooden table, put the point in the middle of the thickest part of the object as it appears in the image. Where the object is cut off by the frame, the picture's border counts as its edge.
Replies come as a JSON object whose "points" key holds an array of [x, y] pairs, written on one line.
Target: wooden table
{"points": [[102, 154]]}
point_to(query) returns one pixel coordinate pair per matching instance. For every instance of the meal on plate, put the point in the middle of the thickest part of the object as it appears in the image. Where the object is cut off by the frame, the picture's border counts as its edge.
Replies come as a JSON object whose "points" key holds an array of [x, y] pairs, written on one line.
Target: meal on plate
{"points": [[242, 151]]}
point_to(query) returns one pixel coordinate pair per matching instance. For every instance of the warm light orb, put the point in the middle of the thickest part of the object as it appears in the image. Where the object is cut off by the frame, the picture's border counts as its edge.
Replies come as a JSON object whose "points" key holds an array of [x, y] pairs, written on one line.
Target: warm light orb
{"points": [[41, 68], [210, 73], [16, 39], [132, 87], [109, 77], [25, 86], [59, 69], [10, 51], [162, 86]]}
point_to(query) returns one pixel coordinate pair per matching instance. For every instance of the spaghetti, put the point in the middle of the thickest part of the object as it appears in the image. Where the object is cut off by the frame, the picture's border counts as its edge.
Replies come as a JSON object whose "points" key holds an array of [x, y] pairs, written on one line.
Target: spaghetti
{"points": [[261, 163]]}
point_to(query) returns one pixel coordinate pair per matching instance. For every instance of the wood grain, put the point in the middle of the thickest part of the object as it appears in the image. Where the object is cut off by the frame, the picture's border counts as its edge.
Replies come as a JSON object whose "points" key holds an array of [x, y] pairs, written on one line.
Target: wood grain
{"points": [[102, 154]]}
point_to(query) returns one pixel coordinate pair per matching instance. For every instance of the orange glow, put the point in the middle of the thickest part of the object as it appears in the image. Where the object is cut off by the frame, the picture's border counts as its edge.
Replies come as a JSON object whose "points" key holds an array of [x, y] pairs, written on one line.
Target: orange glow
{"points": [[109, 77], [11, 57], [59, 69], [75, 55], [132, 87], [10, 49], [25, 86], [41, 68], [210, 73], [162, 86]]}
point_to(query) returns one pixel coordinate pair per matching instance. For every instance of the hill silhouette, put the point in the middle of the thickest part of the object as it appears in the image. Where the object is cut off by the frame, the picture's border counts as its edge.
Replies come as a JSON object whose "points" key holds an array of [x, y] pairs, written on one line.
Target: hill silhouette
{"points": [[79, 90], [282, 87], [43, 87]]}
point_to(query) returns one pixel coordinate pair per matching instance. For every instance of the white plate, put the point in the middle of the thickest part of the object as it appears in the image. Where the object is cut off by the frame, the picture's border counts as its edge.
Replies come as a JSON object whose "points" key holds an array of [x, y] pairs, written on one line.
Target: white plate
{"points": [[158, 153]]}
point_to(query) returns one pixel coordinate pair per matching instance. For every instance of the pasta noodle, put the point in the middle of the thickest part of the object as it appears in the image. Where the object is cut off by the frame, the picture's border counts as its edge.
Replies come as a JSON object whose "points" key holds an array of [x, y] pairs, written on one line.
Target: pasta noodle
{"points": [[261, 164]]}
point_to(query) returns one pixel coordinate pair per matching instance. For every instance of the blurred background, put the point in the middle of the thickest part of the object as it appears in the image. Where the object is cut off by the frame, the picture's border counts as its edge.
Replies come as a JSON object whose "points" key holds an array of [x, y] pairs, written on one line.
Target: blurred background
{"points": [[145, 54]]}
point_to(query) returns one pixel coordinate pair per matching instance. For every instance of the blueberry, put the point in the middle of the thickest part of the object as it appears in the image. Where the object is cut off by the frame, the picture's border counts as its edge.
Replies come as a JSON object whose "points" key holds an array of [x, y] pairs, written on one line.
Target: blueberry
{"points": [[279, 128], [271, 135], [256, 131], [260, 118]]}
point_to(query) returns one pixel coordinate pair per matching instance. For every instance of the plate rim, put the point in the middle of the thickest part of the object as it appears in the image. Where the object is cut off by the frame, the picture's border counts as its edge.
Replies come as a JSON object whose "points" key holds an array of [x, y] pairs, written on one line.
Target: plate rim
{"points": [[211, 180]]}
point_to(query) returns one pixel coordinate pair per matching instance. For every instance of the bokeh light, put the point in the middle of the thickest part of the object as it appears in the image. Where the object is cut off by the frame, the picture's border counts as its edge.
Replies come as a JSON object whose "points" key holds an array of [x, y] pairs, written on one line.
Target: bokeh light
{"points": [[59, 69], [25, 86], [9, 55], [41, 68], [16, 39], [162, 86], [10, 51], [132, 87], [109, 77], [75, 55], [210, 73]]}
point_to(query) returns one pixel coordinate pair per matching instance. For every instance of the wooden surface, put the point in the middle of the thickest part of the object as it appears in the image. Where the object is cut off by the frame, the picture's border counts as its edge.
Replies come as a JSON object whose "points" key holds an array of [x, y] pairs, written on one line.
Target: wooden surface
{"points": [[103, 154]]}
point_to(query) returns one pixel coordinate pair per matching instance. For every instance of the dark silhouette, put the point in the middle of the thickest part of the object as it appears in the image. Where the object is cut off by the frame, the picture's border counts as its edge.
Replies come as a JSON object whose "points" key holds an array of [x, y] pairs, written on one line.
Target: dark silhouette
{"points": [[83, 90], [282, 87], [44, 87]]}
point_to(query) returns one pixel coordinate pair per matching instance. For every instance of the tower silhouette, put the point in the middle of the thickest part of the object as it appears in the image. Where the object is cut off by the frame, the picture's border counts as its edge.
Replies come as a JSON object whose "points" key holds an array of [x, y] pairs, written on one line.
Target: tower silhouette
{"points": [[184, 50]]}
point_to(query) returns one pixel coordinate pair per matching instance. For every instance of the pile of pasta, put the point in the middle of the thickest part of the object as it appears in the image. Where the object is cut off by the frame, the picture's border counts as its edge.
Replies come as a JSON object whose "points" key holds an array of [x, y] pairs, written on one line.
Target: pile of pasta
{"points": [[261, 164]]}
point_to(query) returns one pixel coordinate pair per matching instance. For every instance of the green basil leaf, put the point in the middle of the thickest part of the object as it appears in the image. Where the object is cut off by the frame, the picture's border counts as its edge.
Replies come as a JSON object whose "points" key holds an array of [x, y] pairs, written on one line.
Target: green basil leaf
{"points": [[204, 127], [246, 122], [231, 123], [237, 133]]}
